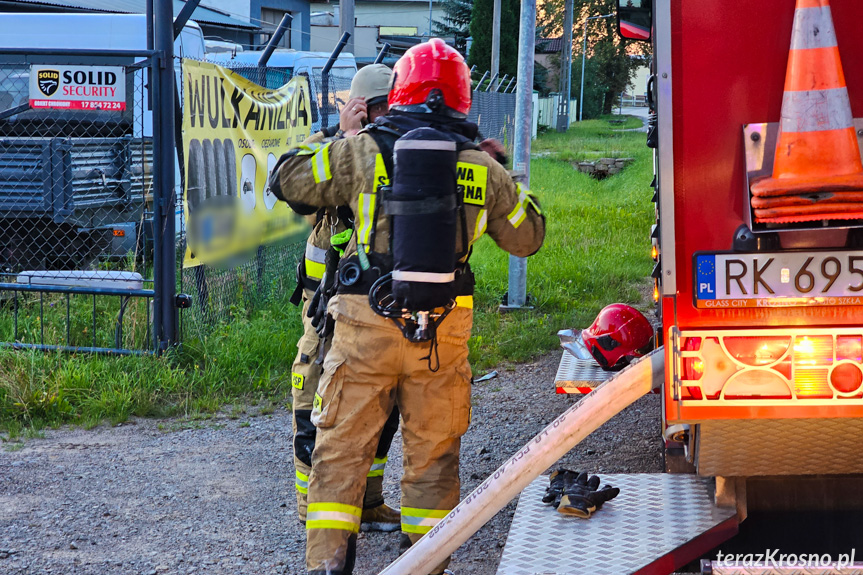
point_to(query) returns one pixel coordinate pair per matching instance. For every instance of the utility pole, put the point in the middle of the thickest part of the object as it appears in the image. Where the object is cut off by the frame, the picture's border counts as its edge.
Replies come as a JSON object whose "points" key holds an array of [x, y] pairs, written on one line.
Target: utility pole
{"points": [[517, 296], [495, 42], [346, 22], [583, 53], [565, 86]]}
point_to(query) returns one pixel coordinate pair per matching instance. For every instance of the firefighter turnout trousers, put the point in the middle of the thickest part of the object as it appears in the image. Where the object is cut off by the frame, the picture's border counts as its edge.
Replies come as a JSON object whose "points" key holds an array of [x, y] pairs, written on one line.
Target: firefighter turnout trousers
{"points": [[370, 368], [304, 386]]}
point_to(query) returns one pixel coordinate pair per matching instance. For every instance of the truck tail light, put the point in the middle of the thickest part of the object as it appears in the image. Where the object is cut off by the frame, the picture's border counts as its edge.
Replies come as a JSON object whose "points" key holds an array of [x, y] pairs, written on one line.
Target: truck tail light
{"points": [[776, 366], [813, 356], [850, 348], [846, 378]]}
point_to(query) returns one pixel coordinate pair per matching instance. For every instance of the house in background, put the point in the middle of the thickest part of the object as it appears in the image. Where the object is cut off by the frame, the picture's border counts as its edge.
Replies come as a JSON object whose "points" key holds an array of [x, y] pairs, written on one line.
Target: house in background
{"points": [[546, 53], [636, 95], [266, 15], [402, 23], [325, 35]]}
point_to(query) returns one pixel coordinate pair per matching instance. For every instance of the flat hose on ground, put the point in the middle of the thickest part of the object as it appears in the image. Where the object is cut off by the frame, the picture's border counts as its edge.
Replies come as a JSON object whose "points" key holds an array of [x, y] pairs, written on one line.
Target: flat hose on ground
{"points": [[561, 435]]}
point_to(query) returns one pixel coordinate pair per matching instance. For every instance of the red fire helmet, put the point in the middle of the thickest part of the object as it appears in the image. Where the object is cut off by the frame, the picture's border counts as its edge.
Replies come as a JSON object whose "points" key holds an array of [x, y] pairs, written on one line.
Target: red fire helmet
{"points": [[618, 334], [428, 72]]}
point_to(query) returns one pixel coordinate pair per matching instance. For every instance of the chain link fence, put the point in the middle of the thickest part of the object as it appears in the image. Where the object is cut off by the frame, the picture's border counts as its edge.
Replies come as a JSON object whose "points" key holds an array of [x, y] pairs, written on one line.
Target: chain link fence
{"points": [[76, 202], [494, 113], [77, 205]]}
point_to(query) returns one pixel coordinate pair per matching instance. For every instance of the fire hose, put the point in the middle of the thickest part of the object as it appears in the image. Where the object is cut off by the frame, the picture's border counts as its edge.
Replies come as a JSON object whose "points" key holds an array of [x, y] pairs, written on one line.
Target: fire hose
{"points": [[516, 473]]}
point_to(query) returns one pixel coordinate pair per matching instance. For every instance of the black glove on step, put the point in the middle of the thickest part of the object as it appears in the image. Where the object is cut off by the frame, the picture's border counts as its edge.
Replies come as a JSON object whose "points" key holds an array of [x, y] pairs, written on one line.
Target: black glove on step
{"points": [[554, 491], [582, 496]]}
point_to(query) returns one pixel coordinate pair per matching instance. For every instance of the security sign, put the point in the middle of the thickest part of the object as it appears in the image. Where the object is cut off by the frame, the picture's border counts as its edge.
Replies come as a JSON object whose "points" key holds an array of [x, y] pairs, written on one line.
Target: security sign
{"points": [[78, 87], [49, 81]]}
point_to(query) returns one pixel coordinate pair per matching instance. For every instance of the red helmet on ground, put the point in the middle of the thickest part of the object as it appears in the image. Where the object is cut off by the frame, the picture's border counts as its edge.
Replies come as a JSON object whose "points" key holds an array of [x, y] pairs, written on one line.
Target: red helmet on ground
{"points": [[431, 77], [618, 334]]}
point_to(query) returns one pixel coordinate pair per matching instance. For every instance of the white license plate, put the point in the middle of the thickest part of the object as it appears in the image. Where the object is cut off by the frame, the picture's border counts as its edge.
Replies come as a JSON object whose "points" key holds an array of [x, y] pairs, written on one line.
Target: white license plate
{"points": [[778, 279]]}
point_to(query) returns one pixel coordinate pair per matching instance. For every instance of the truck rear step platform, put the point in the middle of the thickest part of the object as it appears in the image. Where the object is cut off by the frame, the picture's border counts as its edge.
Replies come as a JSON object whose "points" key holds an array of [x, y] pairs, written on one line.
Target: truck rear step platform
{"points": [[658, 523], [578, 375]]}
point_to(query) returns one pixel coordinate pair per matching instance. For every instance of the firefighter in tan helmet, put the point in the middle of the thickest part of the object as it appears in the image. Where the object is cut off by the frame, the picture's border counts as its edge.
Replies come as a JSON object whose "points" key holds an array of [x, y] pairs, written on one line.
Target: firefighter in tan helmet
{"points": [[422, 194], [366, 102]]}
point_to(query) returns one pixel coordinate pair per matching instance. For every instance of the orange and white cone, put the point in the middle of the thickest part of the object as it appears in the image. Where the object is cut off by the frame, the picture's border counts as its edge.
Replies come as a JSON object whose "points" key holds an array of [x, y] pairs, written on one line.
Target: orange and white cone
{"points": [[817, 155]]}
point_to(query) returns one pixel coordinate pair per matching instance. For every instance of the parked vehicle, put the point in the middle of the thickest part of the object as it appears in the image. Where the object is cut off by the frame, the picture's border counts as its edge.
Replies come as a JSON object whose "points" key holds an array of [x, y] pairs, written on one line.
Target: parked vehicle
{"points": [[285, 64], [75, 184]]}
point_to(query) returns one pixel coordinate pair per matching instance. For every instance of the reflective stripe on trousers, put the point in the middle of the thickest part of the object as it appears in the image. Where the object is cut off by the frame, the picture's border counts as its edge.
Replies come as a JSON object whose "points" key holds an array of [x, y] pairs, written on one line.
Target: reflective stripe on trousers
{"points": [[333, 516], [302, 482], [421, 520], [378, 466]]}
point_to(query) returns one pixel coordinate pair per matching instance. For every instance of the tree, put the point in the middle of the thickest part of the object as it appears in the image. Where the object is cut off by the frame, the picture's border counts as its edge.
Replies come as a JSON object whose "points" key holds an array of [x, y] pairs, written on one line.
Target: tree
{"points": [[480, 30], [611, 60], [456, 22], [549, 18]]}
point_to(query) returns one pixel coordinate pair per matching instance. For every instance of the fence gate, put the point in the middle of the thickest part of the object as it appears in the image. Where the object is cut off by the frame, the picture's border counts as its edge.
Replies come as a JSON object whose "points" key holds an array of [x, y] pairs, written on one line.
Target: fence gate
{"points": [[86, 200]]}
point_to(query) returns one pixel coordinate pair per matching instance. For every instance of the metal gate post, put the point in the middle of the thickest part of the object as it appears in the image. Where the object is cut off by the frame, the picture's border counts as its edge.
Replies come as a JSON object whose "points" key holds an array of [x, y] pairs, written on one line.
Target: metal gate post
{"points": [[325, 79], [165, 315], [521, 150]]}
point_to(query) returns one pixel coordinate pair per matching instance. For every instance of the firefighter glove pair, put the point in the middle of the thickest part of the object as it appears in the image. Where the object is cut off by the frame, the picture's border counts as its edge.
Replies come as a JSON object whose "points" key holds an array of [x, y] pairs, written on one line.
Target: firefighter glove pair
{"points": [[574, 493]]}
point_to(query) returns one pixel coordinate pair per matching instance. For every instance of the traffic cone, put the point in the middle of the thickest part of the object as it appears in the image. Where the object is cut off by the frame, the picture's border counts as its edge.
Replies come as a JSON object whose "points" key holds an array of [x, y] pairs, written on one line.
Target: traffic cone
{"points": [[817, 156]]}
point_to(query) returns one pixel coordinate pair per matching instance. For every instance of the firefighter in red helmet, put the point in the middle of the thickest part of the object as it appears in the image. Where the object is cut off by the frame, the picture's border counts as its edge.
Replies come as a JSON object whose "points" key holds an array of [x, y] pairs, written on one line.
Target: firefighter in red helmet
{"points": [[619, 334], [422, 193], [434, 67]]}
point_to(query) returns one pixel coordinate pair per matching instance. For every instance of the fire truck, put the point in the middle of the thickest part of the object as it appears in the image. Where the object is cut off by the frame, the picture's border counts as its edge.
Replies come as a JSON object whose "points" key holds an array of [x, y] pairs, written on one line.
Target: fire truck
{"points": [[758, 243], [758, 285]]}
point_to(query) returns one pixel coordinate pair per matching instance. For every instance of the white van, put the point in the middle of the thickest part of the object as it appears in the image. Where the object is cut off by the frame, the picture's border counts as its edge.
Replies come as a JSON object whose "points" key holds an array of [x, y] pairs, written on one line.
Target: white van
{"points": [[285, 64]]}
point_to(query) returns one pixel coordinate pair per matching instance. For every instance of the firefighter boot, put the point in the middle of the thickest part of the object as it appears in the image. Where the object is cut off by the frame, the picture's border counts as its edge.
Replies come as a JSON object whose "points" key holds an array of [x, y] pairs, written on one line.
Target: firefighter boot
{"points": [[576, 498], [380, 518], [556, 481]]}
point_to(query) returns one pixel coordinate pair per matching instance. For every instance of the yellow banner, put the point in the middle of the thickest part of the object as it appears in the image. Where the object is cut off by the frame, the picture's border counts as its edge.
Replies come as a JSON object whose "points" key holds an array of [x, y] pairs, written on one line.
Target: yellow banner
{"points": [[234, 132]]}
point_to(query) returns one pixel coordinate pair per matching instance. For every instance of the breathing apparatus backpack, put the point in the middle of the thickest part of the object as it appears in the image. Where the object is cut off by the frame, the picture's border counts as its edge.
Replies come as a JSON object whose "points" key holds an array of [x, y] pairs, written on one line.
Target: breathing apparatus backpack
{"points": [[425, 210]]}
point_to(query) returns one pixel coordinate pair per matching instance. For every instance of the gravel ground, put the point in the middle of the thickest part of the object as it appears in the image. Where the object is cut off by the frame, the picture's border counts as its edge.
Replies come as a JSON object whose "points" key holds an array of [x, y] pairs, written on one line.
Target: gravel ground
{"points": [[216, 496]]}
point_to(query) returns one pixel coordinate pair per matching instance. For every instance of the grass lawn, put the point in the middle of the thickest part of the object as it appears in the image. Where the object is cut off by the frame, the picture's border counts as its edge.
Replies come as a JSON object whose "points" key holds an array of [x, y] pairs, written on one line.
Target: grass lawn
{"points": [[597, 247], [596, 252]]}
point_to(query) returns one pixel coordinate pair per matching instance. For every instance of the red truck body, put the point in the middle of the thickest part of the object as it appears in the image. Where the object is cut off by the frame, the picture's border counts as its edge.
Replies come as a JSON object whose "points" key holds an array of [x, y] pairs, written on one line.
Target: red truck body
{"points": [[720, 66]]}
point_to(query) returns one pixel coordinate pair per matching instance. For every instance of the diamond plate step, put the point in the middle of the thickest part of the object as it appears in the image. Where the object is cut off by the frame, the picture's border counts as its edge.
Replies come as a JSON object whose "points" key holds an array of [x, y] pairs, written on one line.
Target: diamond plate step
{"points": [[578, 375], [658, 523]]}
